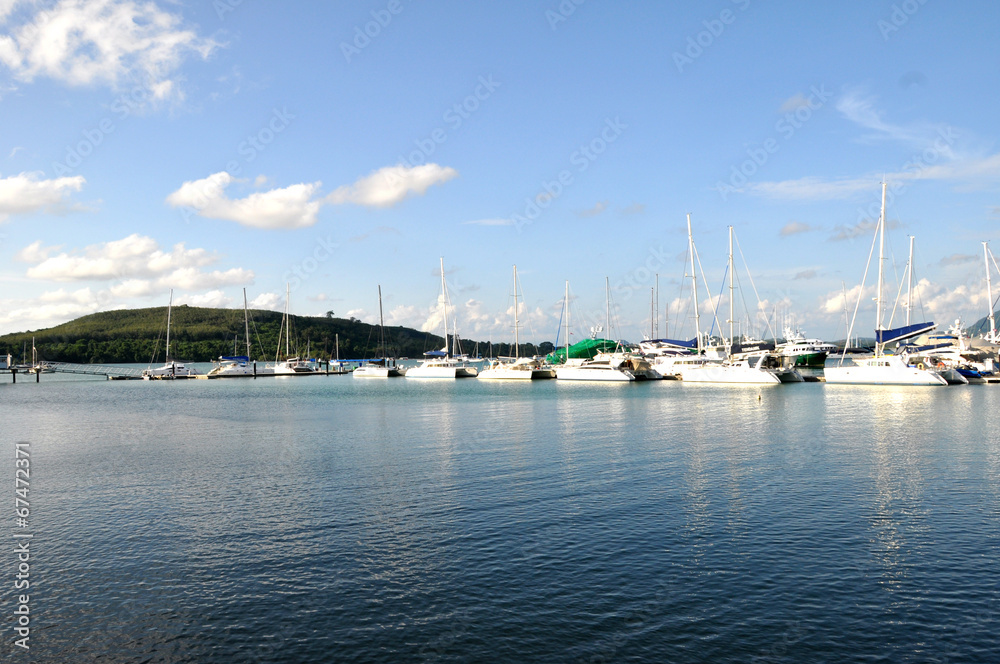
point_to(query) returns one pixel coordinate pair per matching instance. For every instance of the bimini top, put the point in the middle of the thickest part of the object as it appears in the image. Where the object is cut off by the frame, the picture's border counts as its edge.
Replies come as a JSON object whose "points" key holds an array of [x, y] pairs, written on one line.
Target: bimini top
{"points": [[900, 333]]}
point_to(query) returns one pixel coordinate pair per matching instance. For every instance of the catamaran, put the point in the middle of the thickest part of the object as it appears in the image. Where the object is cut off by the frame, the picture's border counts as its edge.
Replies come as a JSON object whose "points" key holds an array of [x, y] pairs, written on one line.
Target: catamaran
{"points": [[882, 368], [516, 367], [236, 365]]}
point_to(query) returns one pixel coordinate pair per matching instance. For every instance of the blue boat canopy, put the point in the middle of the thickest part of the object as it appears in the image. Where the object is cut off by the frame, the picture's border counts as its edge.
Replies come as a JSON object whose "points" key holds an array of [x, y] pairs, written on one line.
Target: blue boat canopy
{"points": [[436, 353], [693, 343], [236, 358], [900, 333]]}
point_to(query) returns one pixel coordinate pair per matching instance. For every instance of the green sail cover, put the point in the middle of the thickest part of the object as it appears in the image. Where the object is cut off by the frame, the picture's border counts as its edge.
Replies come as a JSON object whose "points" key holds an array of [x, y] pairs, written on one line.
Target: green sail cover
{"points": [[585, 349]]}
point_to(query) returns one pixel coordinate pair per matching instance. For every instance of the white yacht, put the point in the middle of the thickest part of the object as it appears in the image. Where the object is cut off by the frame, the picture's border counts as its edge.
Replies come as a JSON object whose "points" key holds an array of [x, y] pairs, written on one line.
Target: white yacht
{"points": [[609, 368], [290, 366], [798, 351], [441, 363], [516, 368], [236, 365], [882, 368], [384, 367], [758, 367]]}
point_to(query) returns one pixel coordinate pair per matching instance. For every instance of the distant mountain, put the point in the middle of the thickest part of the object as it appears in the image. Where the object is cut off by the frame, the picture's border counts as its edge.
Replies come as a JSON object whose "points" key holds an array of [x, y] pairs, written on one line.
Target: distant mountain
{"points": [[982, 325], [201, 334]]}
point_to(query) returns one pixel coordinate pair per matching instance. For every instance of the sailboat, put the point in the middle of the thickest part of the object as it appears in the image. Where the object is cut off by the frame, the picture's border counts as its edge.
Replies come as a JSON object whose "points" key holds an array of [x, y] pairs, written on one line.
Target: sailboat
{"points": [[382, 367], [882, 368], [744, 363], [516, 368], [236, 365], [606, 369], [442, 363], [291, 366], [171, 369]]}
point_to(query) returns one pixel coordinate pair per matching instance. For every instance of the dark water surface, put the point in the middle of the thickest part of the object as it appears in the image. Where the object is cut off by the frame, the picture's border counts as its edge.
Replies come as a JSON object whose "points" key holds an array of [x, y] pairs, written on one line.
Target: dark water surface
{"points": [[340, 519]]}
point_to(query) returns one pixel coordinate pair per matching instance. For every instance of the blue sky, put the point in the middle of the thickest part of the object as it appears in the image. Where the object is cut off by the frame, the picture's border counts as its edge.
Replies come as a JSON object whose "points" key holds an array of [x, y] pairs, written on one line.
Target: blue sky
{"points": [[212, 146]]}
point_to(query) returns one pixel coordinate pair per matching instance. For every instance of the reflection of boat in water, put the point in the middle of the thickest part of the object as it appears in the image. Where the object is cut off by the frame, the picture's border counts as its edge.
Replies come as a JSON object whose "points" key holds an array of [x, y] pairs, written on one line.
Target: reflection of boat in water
{"points": [[171, 368], [882, 368]]}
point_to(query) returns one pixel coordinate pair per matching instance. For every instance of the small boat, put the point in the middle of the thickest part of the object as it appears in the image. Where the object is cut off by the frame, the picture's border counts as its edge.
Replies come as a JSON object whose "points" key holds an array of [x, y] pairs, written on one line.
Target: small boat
{"points": [[290, 366], [236, 365], [605, 369]]}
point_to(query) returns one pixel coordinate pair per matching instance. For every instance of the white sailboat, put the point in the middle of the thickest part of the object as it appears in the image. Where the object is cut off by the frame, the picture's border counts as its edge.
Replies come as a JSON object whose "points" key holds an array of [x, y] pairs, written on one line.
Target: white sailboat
{"points": [[516, 368], [752, 365], [442, 363], [236, 365], [882, 368], [606, 369], [382, 367], [171, 369], [291, 366]]}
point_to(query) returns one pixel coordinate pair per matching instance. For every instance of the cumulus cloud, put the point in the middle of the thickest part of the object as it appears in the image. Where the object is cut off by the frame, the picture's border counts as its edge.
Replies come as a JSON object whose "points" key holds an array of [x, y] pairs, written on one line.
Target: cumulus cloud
{"points": [[137, 263], [214, 298], [290, 207], [268, 301], [90, 42], [27, 192], [388, 186], [35, 252]]}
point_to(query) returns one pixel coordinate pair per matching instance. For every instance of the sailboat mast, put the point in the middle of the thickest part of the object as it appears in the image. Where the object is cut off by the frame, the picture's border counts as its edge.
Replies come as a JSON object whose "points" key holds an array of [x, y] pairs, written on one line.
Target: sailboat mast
{"points": [[381, 325], [656, 308], [694, 286], [607, 305], [567, 322], [731, 337], [881, 260], [909, 285], [287, 325], [516, 339], [652, 313], [170, 303], [989, 294], [246, 321], [444, 304]]}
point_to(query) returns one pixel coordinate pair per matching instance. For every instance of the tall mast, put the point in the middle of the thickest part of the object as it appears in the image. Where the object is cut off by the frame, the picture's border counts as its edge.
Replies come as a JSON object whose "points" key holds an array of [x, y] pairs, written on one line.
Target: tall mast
{"points": [[881, 260], [694, 286], [246, 322], [607, 301], [516, 341], [656, 308], [731, 337], [909, 285], [381, 325], [287, 322], [170, 303], [444, 298], [652, 313], [989, 295], [567, 322]]}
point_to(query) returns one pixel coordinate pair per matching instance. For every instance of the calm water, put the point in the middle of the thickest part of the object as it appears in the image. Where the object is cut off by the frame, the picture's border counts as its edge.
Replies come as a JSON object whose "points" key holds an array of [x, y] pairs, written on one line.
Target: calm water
{"points": [[338, 519]]}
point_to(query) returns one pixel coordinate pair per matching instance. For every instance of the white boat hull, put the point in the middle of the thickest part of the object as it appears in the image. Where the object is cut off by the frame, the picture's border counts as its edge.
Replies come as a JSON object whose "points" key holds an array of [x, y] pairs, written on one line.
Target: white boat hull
{"points": [[886, 370], [719, 373], [594, 373], [441, 371], [374, 371]]}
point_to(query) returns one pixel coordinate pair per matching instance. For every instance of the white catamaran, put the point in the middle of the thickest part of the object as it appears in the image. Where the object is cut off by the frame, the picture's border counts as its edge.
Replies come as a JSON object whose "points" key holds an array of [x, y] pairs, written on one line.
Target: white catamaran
{"points": [[171, 369], [442, 363], [882, 368]]}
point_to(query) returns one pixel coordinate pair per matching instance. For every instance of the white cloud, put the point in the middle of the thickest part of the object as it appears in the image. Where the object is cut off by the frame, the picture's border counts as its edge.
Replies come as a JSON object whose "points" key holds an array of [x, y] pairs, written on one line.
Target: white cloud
{"points": [[390, 185], [215, 298], [23, 193], [268, 301], [35, 252], [111, 42], [291, 207], [132, 261], [796, 227]]}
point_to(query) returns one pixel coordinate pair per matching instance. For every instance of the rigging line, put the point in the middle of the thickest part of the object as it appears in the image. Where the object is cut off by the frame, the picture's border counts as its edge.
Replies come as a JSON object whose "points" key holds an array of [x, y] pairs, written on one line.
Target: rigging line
{"points": [[861, 294], [754, 287], [715, 310]]}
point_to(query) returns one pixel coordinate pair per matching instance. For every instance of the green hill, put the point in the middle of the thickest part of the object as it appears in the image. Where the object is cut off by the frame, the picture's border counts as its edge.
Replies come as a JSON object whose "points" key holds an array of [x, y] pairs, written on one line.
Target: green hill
{"points": [[200, 334]]}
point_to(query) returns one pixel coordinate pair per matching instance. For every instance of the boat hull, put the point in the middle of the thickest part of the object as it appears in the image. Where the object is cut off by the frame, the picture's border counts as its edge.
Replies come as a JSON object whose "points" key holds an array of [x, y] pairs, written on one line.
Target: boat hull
{"points": [[594, 374], [708, 373], [882, 371]]}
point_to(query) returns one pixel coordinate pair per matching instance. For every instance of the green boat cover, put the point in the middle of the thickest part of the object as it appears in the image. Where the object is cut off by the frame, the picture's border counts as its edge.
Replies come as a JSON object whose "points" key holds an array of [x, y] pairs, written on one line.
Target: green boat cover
{"points": [[585, 349]]}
